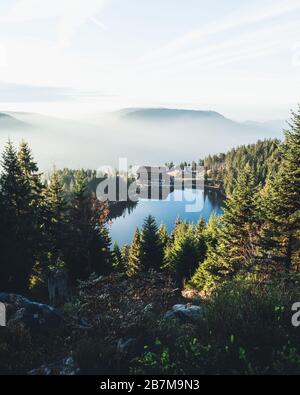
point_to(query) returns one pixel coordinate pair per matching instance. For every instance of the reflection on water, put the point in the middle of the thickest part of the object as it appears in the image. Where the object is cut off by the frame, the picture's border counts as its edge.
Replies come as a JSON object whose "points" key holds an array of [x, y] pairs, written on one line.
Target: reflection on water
{"points": [[165, 211]]}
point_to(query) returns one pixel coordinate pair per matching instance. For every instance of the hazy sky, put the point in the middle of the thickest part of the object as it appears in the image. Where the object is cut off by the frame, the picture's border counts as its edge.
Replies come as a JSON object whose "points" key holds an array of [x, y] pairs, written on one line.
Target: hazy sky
{"points": [[70, 57]]}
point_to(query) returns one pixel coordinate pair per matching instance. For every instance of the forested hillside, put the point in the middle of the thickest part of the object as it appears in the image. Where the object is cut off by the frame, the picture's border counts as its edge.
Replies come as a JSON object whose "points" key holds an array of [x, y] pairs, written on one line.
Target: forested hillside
{"points": [[262, 157]]}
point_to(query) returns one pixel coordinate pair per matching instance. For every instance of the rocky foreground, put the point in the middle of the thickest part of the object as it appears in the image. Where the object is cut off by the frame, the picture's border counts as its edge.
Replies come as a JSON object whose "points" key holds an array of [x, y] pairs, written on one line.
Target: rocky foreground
{"points": [[104, 329]]}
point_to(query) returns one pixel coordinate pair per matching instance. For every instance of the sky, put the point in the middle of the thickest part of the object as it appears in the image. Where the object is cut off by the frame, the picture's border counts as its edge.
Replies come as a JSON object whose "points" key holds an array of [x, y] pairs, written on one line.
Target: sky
{"points": [[75, 58]]}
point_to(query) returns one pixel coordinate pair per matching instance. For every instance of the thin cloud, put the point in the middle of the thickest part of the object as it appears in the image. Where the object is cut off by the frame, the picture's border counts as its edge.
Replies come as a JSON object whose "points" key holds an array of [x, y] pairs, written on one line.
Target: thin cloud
{"points": [[239, 19], [251, 44], [71, 14], [17, 93]]}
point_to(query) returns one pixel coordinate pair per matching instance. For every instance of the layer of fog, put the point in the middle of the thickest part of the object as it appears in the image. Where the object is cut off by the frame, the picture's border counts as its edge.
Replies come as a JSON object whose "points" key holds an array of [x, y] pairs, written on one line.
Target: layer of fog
{"points": [[70, 144]]}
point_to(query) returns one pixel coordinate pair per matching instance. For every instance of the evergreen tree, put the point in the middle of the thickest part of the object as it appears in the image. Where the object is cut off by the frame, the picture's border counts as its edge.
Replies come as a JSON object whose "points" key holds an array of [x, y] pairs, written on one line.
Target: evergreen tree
{"points": [[205, 276], [238, 242], [89, 250], [56, 221], [101, 252], [281, 205], [134, 258], [30, 169], [32, 177], [81, 234], [185, 252], [201, 239], [117, 259], [151, 247], [164, 236], [125, 255], [236, 248], [19, 218], [211, 233], [35, 199]]}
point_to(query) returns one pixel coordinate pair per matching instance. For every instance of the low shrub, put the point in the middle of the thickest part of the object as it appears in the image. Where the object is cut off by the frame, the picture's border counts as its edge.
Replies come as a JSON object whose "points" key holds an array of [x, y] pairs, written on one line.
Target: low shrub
{"points": [[93, 356], [16, 351], [245, 328]]}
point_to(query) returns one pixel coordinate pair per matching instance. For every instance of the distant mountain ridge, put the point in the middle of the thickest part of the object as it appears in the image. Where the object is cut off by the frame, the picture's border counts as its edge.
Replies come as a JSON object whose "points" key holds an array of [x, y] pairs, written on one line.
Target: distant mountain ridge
{"points": [[278, 124], [9, 122], [167, 113]]}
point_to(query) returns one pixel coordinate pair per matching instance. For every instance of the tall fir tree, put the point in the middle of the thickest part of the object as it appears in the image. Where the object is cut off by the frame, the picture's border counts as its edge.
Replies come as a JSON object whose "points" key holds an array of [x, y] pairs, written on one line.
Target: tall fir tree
{"points": [[164, 236], [117, 259], [134, 258], [35, 197], [19, 218], [125, 255], [30, 169], [185, 252], [56, 221], [101, 250], [204, 275], [89, 242], [200, 227], [211, 233], [281, 202], [151, 247], [237, 244]]}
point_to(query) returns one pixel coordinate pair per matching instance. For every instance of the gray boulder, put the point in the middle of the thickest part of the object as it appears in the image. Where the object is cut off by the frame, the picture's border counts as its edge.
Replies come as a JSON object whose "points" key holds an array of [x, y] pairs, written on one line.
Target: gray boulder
{"points": [[187, 312], [32, 314]]}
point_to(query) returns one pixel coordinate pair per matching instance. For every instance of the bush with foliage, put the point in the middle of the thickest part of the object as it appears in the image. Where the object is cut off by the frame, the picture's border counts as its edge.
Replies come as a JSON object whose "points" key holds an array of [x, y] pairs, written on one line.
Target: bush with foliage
{"points": [[245, 328]]}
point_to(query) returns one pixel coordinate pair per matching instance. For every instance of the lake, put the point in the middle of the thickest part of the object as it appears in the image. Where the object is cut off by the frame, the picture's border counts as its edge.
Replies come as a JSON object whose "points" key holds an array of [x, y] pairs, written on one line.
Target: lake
{"points": [[165, 211]]}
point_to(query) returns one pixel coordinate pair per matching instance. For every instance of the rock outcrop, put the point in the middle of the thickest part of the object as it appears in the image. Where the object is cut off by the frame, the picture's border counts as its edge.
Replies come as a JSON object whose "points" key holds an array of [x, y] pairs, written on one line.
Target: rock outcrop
{"points": [[35, 316], [187, 312]]}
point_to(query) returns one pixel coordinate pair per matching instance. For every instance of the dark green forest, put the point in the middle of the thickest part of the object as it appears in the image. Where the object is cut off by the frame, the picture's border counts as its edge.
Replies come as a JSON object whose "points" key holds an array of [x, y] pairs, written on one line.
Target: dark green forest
{"points": [[242, 269]]}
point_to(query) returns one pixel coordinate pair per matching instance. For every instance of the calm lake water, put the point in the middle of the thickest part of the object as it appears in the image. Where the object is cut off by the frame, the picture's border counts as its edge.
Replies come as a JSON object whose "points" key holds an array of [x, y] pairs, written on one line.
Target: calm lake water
{"points": [[165, 211]]}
